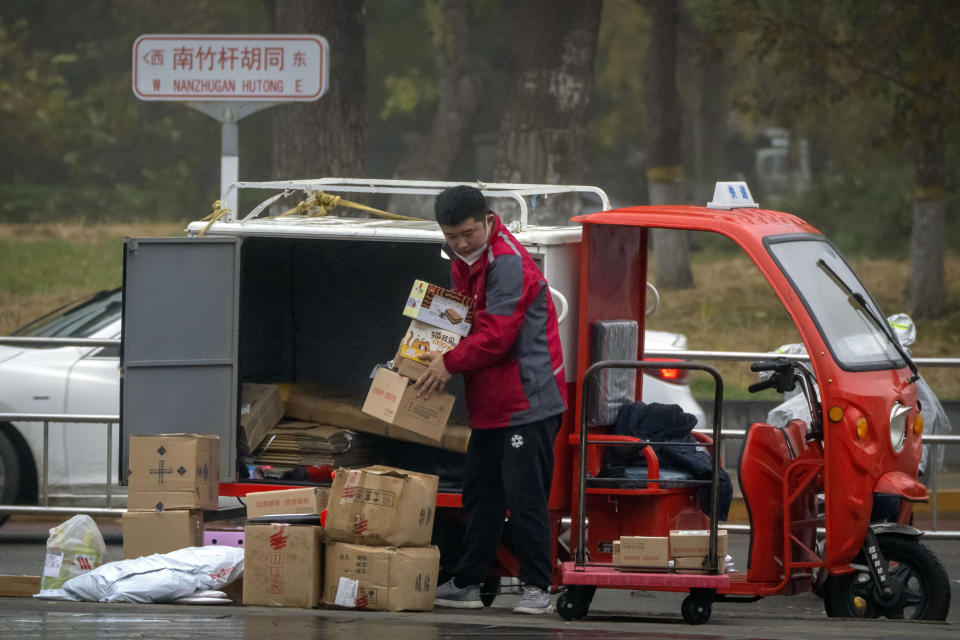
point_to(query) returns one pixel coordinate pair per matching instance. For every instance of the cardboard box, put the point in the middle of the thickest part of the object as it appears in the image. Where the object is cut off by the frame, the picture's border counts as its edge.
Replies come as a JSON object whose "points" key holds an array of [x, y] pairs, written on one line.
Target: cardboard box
{"points": [[228, 537], [440, 307], [407, 367], [286, 501], [393, 400], [332, 407], [381, 506], [19, 586], [381, 578], [696, 543], [421, 338], [696, 564], [641, 551], [282, 565], [260, 410], [173, 471], [149, 532]]}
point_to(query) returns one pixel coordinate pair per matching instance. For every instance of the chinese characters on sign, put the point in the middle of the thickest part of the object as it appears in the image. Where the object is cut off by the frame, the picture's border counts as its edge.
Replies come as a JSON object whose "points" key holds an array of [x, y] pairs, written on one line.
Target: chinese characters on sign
{"points": [[230, 67]]}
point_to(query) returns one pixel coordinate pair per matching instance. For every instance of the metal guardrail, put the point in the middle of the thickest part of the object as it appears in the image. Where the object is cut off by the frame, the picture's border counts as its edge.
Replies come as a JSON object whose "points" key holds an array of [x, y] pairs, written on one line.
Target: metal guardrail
{"points": [[110, 420]]}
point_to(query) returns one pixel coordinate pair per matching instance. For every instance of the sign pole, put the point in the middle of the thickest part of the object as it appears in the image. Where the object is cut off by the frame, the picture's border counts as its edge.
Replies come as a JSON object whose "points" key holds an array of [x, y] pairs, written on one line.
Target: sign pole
{"points": [[229, 164]]}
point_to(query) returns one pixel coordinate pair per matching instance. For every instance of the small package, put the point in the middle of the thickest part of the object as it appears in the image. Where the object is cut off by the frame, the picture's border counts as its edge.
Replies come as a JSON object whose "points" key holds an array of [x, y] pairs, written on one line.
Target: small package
{"points": [[282, 565], [381, 578], [308, 500], [393, 400], [173, 471], [641, 551], [73, 548], [149, 532], [696, 543], [696, 564], [381, 506], [260, 410], [440, 307], [419, 339]]}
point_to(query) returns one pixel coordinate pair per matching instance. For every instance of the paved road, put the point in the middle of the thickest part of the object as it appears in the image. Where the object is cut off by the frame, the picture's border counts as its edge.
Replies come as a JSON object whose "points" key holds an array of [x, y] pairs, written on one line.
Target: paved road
{"points": [[613, 614]]}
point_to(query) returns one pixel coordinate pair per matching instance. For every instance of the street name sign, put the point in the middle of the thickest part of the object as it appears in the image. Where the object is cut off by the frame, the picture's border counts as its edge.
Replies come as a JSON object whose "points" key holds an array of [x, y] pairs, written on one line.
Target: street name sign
{"points": [[243, 68]]}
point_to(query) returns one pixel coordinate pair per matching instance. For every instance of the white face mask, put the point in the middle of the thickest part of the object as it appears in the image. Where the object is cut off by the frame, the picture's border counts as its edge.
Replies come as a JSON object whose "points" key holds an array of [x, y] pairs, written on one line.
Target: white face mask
{"points": [[473, 257]]}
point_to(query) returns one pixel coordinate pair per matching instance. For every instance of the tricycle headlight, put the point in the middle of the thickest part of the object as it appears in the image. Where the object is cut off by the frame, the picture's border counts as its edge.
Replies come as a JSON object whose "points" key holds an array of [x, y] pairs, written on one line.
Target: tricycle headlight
{"points": [[898, 425]]}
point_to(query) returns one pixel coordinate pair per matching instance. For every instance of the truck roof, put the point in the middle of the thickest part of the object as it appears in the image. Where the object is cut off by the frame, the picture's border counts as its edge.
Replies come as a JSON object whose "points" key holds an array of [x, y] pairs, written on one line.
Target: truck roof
{"points": [[524, 197], [733, 223]]}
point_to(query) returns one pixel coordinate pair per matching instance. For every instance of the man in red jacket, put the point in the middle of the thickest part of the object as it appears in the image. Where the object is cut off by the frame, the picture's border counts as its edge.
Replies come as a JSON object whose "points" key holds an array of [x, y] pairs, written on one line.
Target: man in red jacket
{"points": [[516, 394]]}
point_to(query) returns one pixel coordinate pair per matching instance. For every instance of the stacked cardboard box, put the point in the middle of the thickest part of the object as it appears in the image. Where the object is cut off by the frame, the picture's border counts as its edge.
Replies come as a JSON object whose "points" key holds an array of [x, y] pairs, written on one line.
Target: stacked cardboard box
{"points": [[172, 478], [378, 529], [328, 406], [261, 408], [685, 550], [283, 562], [689, 550], [439, 319]]}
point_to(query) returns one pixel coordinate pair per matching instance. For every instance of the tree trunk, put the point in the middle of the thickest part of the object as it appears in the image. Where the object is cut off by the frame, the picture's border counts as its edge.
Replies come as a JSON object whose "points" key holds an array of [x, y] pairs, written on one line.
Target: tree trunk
{"points": [[461, 98], [926, 291], [543, 129], [710, 116], [324, 138], [665, 172]]}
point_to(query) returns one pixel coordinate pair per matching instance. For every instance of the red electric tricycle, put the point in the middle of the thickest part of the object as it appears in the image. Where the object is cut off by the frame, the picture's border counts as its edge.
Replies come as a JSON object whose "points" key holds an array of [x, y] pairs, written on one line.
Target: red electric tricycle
{"points": [[829, 501]]}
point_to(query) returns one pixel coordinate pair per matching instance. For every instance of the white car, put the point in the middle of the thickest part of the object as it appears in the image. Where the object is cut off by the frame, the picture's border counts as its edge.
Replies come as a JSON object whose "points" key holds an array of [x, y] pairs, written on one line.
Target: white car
{"points": [[55, 380], [85, 380]]}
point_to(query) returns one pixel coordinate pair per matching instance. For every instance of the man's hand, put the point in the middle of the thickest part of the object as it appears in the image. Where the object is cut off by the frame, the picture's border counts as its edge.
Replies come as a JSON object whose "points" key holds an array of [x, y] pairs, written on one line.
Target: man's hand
{"points": [[434, 378]]}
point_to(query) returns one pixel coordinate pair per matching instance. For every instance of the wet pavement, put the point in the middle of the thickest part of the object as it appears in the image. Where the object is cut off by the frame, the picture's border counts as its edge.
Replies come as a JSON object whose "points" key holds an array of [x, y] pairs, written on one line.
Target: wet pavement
{"points": [[25, 618], [614, 614]]}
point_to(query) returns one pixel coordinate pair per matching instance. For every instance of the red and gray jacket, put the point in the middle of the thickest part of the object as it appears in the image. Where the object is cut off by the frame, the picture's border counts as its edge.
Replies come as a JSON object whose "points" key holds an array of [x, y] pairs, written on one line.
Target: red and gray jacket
{"points": [[511, 361]]}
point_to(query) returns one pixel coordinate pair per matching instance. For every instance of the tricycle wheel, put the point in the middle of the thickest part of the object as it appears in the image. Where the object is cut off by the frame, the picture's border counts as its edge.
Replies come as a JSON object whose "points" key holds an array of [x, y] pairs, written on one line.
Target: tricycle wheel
{"points": [[921, 587], [489, 590], [697, 606], [574, 603]]}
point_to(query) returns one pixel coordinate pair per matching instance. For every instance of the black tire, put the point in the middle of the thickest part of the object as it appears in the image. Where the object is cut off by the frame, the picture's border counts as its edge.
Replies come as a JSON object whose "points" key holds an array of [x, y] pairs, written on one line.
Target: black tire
{"points": [[697, 606], [921, 585], [10, 473], [574, 603]]}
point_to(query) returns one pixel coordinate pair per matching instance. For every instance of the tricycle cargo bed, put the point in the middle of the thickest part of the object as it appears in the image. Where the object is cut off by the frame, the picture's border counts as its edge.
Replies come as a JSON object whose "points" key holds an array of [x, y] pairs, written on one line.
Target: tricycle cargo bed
{"points": [[313, 314]]}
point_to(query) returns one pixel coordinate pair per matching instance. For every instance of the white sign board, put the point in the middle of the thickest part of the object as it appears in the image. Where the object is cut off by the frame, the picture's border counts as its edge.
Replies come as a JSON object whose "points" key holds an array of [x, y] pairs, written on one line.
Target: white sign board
{"points": [[205, 67]]}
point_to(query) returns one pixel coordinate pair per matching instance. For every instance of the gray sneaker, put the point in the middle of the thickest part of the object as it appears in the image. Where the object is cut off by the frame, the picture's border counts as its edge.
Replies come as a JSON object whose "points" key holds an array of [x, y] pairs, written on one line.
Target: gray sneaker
{"points": [[534, 600], [450, 595]]}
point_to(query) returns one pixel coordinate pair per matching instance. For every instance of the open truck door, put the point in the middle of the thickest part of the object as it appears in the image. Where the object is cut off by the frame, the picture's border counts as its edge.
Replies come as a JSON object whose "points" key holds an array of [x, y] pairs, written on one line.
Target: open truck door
{"points": [[179, 341]]}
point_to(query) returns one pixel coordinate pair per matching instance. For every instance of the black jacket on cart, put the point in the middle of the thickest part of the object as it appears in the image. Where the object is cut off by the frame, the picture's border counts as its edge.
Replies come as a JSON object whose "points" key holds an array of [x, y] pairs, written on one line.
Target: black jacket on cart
{"points": [[662, 423]]}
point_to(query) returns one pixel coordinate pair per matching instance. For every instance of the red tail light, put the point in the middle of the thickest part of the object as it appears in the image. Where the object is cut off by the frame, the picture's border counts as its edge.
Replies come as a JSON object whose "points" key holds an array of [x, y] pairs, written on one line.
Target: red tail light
{"points": [[673, 376]]}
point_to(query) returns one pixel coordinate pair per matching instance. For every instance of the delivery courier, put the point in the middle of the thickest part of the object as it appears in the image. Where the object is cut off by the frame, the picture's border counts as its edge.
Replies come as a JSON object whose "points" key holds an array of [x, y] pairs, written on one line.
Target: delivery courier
{"points": [[516, 394]]}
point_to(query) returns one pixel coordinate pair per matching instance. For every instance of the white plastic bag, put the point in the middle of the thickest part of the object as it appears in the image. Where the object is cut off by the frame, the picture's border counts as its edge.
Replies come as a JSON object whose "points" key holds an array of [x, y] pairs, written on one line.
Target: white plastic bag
{"points": [[73, 548], [156, 578]]}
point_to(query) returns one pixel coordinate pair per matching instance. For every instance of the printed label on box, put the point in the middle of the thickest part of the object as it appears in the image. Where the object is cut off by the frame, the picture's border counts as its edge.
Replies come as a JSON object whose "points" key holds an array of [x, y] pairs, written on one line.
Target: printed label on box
{"points": [[347, 592], [421, 338], [440, 307]]}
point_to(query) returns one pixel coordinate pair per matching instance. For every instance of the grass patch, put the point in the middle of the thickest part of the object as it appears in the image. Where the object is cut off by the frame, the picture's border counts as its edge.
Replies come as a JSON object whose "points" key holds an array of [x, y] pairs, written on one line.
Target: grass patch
{"points": [[44, 266]]}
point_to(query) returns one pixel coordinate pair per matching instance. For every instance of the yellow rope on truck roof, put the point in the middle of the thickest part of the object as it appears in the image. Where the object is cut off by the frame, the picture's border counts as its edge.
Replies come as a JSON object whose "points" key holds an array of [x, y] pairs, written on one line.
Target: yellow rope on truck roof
{"points": [[218, 212], [319, 203]]}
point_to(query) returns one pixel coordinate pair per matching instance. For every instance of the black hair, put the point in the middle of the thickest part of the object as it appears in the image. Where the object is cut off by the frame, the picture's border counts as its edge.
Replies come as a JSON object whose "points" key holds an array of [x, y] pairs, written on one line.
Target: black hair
{"points": [[455, 204]]}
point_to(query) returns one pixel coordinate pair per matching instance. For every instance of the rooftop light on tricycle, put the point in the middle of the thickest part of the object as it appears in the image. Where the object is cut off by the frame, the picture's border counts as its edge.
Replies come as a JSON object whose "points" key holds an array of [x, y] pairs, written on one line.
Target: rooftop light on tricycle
{"points": [[732, 195]]}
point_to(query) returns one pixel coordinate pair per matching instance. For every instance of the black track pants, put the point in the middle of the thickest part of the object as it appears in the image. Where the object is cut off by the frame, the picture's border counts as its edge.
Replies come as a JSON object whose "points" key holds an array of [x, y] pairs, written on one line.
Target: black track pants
{"points": [[509, 468]]}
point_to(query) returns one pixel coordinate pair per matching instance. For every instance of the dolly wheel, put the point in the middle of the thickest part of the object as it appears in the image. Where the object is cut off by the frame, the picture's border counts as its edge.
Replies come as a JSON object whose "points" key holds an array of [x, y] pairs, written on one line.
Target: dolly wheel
{"points": [[574, 603], [696, 607]]}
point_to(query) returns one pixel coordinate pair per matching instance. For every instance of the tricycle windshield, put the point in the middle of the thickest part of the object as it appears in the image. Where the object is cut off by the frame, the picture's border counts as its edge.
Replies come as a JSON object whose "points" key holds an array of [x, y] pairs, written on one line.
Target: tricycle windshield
{"points": [[830, 290]]}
